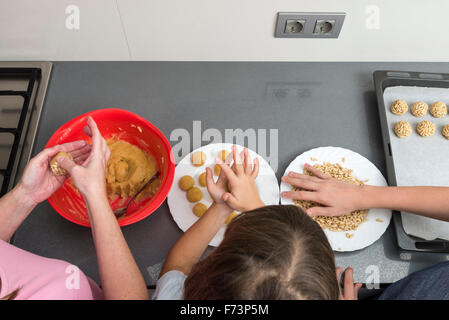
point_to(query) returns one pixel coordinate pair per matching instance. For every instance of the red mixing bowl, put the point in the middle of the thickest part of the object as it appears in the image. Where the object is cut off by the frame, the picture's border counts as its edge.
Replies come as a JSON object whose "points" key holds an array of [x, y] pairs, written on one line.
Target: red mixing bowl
{"points": [[125, 125]]}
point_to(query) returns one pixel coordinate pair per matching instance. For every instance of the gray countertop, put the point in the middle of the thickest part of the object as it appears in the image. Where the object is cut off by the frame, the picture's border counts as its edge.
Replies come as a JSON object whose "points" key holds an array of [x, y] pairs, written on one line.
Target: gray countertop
{"points": [[310, 104]]}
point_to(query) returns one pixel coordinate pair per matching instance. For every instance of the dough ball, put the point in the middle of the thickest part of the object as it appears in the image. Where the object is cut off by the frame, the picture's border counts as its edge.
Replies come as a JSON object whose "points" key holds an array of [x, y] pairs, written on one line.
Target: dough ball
{"points": [[231, 216], [186, 182], [445, 131], [419, 109], [194, 194], [198, 158], [217, 170], [202, 179], [402, 129], [55, 167], [399, 107], [425, 128], [438, 109], [199, 209], [223, 154]]}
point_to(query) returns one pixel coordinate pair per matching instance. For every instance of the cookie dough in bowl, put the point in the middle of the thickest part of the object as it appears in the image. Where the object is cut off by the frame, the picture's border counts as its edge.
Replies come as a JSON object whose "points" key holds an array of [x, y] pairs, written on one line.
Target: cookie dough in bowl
{"points": [[118, 124], [128, 169]]}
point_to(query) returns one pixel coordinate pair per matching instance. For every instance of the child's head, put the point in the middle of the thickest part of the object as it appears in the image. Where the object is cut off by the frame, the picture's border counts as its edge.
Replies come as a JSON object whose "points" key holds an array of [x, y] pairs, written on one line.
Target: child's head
{"points": [[275, 252]]}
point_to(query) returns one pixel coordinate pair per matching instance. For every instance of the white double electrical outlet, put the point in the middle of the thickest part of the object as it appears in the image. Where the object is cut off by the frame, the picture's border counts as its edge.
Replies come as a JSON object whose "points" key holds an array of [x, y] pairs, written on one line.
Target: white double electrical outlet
{"points": [[309, 25]]}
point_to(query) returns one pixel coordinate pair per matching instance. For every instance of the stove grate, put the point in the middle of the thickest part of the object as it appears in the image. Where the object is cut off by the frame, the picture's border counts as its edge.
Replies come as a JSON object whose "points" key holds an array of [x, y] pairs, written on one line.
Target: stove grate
{"points": [[32, 76]]}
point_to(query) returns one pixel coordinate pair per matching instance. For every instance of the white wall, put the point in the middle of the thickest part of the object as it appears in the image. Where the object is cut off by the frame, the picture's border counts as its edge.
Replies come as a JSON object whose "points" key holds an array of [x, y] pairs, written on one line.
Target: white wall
{"points": [[211, 30]]}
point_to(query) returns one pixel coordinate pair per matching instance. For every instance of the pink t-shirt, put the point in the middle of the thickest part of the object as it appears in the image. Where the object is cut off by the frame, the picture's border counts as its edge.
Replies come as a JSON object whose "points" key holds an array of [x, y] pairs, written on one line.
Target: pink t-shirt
{"points": [[40, 278]]}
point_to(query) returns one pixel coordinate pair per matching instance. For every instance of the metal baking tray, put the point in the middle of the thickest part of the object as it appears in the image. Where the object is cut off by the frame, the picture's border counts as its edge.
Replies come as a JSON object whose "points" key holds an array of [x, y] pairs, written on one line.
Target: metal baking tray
{"points": [[384, 79]]}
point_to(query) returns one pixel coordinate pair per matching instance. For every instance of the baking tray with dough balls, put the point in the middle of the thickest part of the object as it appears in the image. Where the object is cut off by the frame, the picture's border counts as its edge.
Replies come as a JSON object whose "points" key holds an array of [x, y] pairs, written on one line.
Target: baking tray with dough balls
{"points": [[420, 158], [182, 209]]}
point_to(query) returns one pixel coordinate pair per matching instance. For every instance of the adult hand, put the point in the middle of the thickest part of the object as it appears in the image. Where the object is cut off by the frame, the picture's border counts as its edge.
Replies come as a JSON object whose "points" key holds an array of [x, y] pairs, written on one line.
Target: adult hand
{"points": [[338, 197], [243, 195], [90, 176], [350, 290], [38, 183]]}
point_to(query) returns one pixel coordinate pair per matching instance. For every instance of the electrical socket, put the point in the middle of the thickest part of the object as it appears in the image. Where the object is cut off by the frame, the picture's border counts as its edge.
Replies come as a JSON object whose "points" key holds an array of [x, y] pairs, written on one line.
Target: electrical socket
{"points": [[309, 24], [324, 26], [294, 26]]}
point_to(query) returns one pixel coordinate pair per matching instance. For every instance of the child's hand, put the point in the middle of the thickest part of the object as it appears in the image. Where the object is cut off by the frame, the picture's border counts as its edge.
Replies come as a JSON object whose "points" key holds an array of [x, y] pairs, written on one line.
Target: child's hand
{"points": [[350, 290], [217, 189], [243, 195], [338, 197]]}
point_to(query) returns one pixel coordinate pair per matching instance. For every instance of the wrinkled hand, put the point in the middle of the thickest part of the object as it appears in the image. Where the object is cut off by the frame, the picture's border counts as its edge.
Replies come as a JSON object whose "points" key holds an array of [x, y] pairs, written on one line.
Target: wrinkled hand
{"points": [[244, 195], [90, 176], [350, 290], [38, 183], [338, 197]]}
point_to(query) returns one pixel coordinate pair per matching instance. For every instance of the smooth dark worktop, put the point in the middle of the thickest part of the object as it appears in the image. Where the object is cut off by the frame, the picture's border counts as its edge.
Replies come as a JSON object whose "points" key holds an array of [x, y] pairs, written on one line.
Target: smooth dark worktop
{"points": [[310, 104]]}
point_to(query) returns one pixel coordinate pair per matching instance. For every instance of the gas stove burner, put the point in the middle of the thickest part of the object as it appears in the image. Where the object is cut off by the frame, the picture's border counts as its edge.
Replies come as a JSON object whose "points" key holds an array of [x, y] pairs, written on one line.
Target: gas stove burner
{"points": [[22, 89]]}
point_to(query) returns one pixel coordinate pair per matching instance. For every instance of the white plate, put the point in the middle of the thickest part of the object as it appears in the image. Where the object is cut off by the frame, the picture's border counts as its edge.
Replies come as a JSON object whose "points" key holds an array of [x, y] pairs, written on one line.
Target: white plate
{"points": [[181, 208], [367, 232]]}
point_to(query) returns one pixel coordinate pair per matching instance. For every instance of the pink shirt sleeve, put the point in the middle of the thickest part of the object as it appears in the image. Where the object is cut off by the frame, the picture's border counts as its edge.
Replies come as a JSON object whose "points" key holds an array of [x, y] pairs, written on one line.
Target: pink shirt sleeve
{"points": [[39, 278]]}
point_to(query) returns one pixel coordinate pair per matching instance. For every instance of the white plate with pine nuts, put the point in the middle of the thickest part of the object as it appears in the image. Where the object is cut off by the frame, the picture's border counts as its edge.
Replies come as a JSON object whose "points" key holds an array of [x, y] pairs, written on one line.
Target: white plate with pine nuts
{"points": [[377, 220]]}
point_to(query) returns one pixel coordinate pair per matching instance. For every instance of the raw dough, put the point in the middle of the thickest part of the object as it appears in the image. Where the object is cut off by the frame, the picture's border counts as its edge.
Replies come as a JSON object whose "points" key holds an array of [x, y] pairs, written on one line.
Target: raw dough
{"points": [[186, 182], [445, 131], [202, 179], [425, 128], [438, 109], [399, 107], [199, 209], [231, 216], [128, 168], [402, 129], [198, 158], [217, 170], [419, 109], [223, 154], [55, 167], [194, 194]]}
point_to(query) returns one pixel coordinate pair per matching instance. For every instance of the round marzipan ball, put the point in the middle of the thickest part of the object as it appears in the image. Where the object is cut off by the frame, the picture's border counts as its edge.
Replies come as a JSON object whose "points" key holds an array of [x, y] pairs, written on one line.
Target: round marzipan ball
{"points": [[55, 167], [199, 209], [194, 194], [223, 154], [217, 170], [402, 129], [198, 158], [438, 109], [419, 109], [425, 128], [231, 216], [399, 107], [445, 131], [186, 182], [202, 179]]}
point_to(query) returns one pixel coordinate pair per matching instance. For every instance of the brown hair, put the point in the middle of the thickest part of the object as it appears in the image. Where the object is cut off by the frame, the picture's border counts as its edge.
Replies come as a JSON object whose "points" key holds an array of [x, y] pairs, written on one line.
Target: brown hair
{"points": [[9, 296], [274, 252]]}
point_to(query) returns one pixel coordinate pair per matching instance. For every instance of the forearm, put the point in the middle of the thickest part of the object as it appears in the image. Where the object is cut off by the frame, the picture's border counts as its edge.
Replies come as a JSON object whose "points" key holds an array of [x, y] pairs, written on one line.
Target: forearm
{"points": [[119, 273], [188, 249], [431, 202], [15, 207]]}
